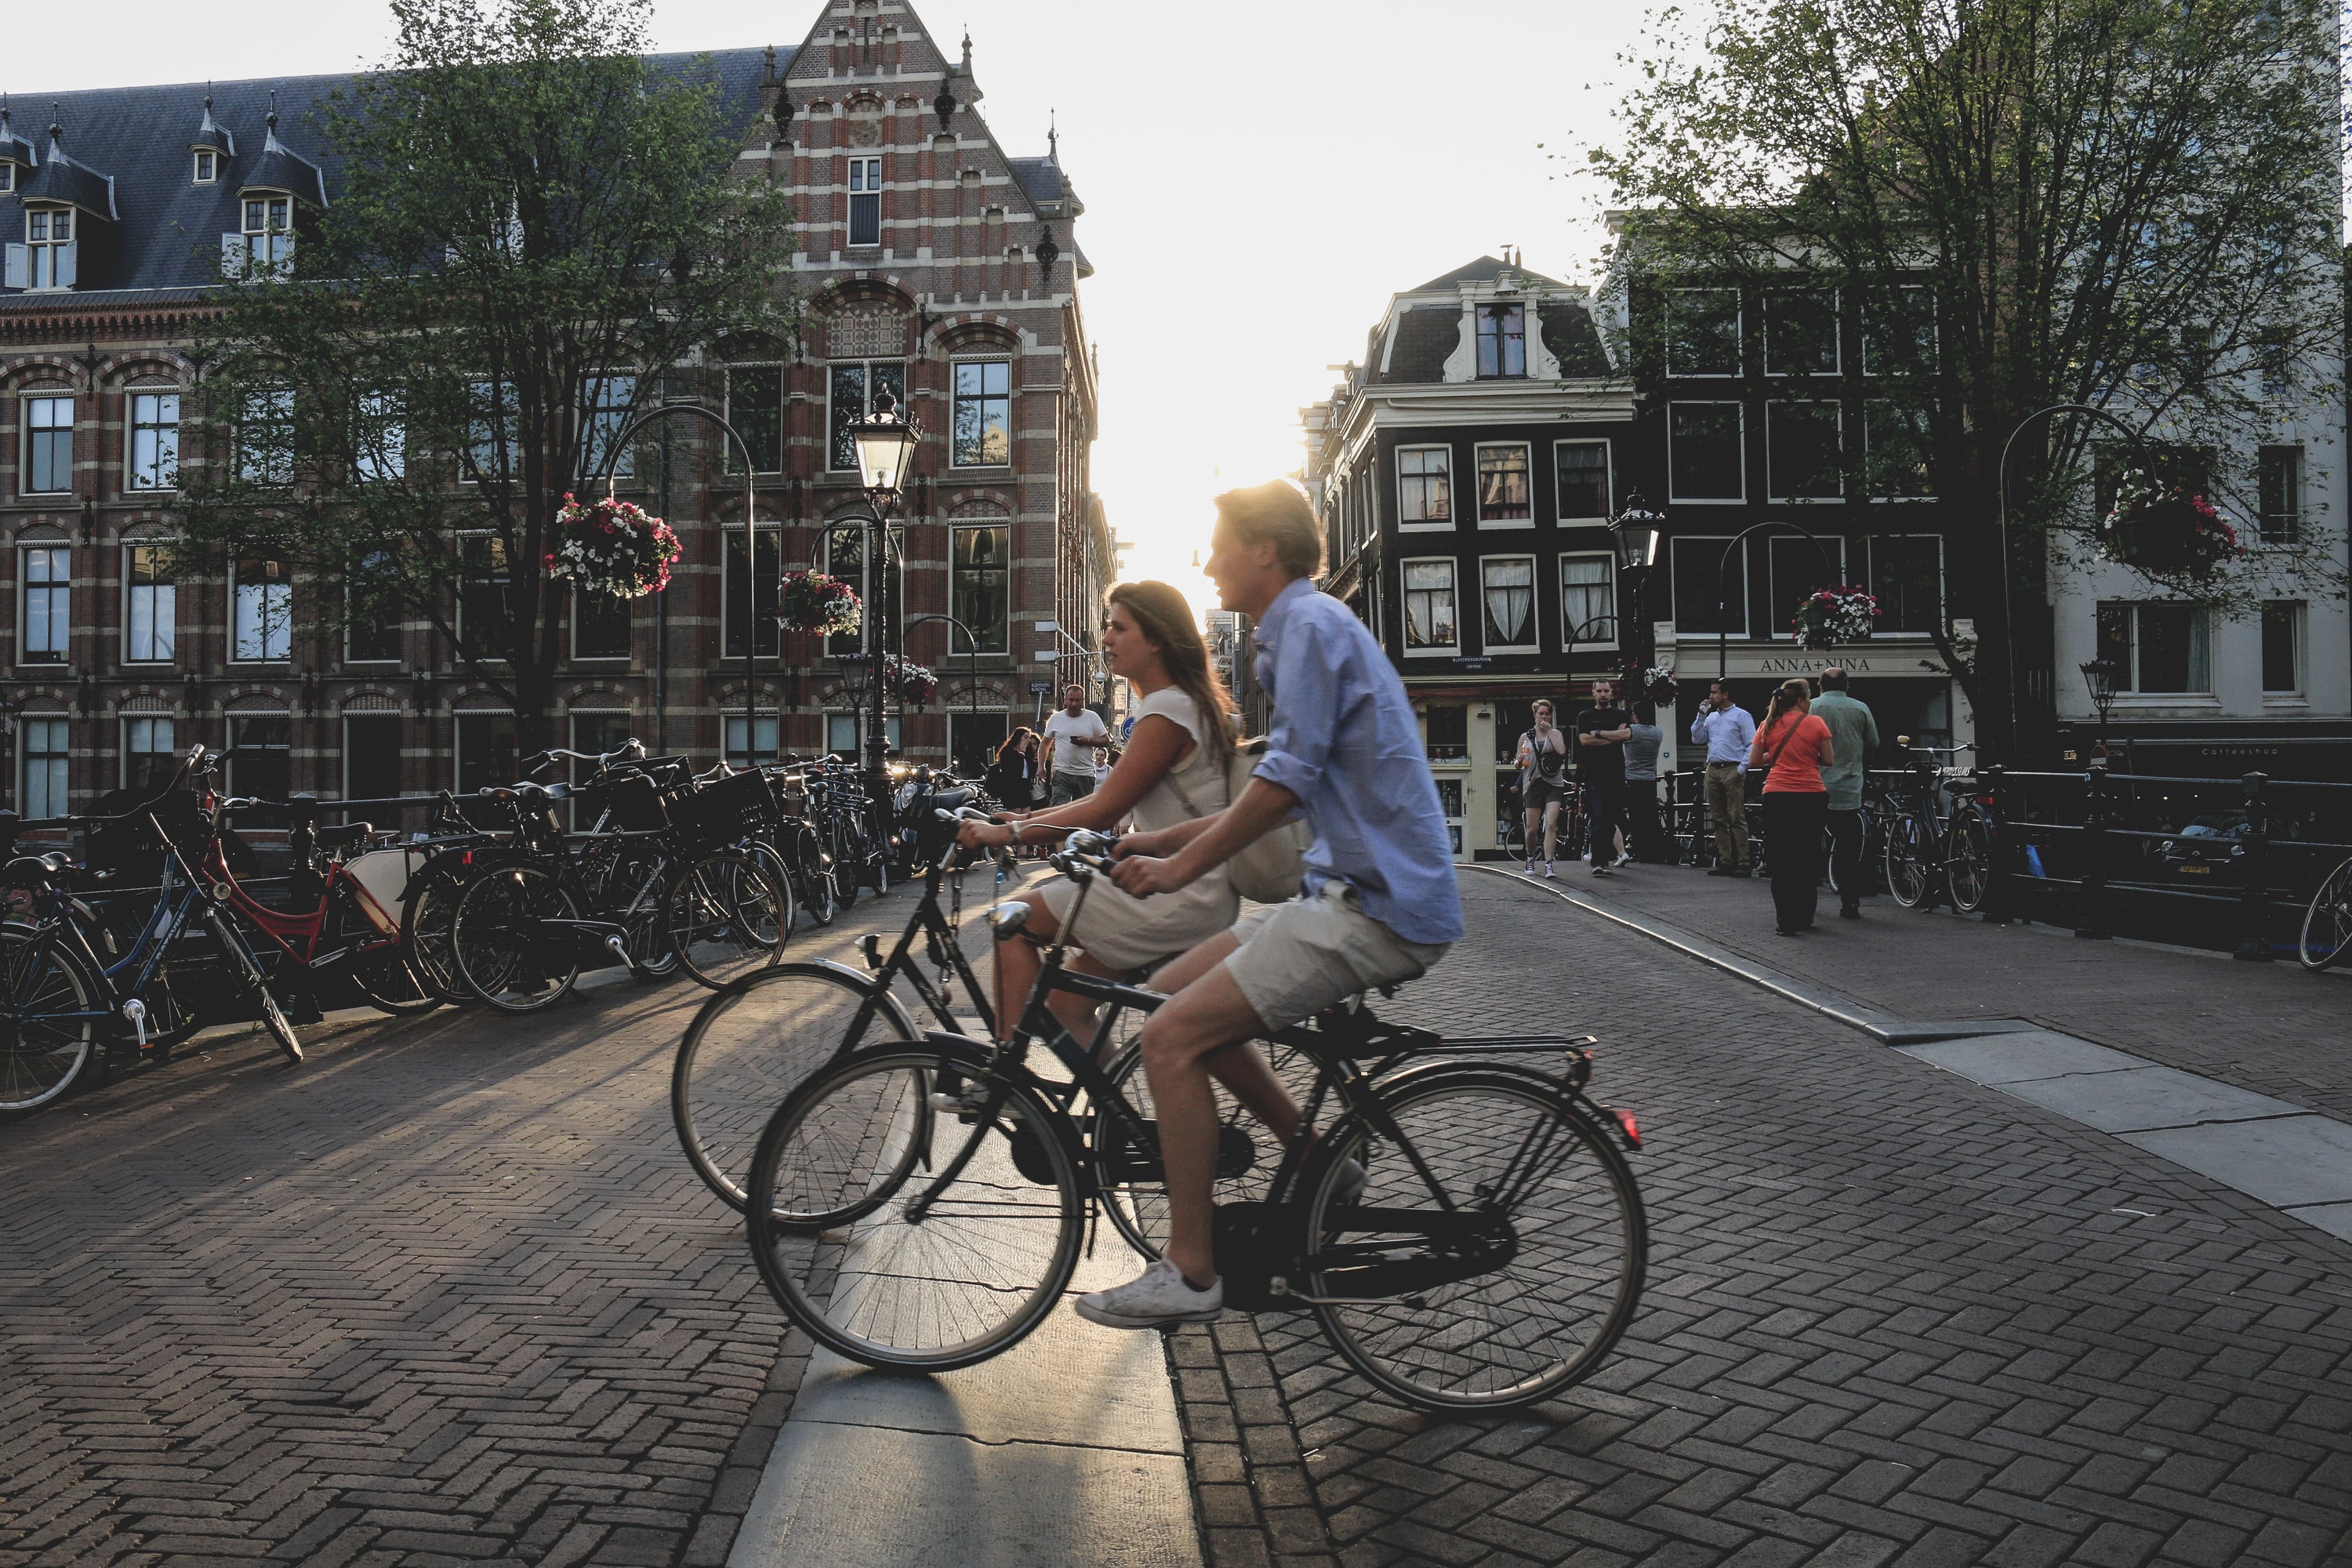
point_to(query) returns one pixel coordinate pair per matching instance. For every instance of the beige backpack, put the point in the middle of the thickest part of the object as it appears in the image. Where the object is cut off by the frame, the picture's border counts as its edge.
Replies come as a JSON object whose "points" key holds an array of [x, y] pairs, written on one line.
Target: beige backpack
{"points": [[1271, 870]]}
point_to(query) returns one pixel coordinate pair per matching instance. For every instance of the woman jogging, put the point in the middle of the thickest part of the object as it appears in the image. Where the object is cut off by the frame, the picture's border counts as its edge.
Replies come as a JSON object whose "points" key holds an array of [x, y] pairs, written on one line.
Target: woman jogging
{"points": [[1172, 770], [1543, 780]]}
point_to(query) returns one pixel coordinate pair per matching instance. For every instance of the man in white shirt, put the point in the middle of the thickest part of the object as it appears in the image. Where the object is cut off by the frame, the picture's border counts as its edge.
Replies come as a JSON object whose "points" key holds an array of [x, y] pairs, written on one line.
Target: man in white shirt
{"points": [[1073, 737]]}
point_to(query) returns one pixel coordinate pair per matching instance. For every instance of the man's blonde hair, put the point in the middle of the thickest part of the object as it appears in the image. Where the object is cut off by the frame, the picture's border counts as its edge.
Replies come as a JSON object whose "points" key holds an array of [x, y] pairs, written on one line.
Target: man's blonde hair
{"points": [[1276, 511]]}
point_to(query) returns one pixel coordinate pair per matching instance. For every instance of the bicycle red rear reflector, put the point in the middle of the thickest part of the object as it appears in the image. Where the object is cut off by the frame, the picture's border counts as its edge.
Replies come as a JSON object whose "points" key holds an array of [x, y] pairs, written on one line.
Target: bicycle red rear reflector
{"points": [[1628, 1126]]}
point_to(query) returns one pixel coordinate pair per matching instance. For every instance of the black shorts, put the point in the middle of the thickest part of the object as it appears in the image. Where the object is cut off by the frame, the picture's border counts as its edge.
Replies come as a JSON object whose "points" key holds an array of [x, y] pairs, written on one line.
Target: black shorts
{"points": [[1540, 794]]}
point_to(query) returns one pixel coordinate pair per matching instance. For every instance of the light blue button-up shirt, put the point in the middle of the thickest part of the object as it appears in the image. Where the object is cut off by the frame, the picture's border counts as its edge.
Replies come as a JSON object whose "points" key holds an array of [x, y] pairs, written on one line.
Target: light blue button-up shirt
{"points": [[1725, 735], [1345, 743]]}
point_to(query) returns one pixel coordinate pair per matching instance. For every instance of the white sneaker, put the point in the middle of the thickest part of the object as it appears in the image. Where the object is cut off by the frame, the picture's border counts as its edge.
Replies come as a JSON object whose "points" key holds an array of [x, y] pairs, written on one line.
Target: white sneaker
{"points": [[1158, 1296], [1529, 868], [1550, 873], [1626, 859]]}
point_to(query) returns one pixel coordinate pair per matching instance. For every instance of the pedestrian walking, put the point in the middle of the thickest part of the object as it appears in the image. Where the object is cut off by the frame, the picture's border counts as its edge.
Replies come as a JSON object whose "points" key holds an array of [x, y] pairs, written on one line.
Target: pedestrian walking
{"points": [[1724, 728], [1073, 736], [1853, 730], [1601, 732], [1380, 904], [1543, 781], [1641, 748], [1012, 775], [1796, 747]]}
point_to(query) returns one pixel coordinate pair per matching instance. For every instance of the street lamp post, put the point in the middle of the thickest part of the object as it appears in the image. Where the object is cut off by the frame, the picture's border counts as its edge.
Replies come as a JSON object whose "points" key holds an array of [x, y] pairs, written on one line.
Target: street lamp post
{"points": [[1723, 600], [972, 670], [1638, 532], [886, 449], [2099, 675]]}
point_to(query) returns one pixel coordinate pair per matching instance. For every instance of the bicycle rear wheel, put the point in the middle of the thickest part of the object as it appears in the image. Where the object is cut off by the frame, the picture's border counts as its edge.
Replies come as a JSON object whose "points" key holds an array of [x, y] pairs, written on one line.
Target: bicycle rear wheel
{"points": [[753, 1044], [1514, 1291], [380, 967], [424, 924], [49, 1025], [1909, 846], [2327, 923], [503, 951], [1133, 1187], [946, 1240], [248, 971], [1968, 868], [727, 917]]}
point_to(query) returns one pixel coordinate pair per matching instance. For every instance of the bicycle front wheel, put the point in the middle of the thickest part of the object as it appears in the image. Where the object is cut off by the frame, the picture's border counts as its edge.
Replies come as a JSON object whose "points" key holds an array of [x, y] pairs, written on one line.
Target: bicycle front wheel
{"points": [[947, 1239], [2327, 923], [1502, 1275], [248, 970], [1908, 844], [49, 1027], [727, 917], [751, 1045], [512, 938]]}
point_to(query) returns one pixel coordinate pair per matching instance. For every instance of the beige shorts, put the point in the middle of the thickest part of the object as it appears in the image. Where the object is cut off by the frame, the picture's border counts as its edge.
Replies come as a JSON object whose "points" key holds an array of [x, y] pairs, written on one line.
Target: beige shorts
{"points": [[1297, 959]]}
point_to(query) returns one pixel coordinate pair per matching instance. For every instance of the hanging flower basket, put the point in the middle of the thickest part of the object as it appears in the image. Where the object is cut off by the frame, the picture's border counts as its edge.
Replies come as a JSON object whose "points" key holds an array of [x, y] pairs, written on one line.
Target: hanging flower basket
{"points": [[910, 683], [612, 548], [1835, 615], [813, 602], [2166, 532], [1652, 683]]}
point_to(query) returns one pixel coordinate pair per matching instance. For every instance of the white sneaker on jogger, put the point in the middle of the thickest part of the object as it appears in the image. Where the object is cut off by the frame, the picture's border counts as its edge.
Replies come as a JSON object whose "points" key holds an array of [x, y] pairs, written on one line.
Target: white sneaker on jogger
{"points": [[1158, 1296]]}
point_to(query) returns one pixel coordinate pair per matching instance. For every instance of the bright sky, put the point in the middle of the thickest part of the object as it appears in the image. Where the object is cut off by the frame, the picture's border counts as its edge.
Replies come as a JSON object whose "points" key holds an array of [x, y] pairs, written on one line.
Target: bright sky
{"points": [[1259, 175]]}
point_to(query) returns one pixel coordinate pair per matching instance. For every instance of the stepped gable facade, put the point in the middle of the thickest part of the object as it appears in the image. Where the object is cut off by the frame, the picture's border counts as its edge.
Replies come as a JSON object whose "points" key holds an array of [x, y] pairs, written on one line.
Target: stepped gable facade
{"points": [[934, 265]]}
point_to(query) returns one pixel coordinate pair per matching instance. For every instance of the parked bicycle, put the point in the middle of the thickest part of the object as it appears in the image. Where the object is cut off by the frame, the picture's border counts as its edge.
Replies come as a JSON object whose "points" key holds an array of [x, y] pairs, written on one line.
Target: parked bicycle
{"points": [[922, 1205], [2327, 934], [1932, 853]]}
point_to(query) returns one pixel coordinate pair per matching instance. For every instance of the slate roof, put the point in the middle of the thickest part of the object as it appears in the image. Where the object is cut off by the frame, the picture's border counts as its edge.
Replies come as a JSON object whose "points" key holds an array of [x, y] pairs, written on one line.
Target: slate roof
{"points": [[167, 230], [1485, 269], [1041, 179], [1426, 336]]}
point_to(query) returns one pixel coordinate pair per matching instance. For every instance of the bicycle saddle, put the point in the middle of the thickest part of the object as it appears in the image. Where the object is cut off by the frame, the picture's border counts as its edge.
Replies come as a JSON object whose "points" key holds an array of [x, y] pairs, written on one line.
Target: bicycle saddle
{"points": [[44, 869], [349, 833]]}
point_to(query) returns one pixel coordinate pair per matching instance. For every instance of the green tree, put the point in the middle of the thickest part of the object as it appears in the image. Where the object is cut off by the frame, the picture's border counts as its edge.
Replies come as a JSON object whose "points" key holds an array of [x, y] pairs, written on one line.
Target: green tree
{"points": [[2127, 204], [535, 228]]}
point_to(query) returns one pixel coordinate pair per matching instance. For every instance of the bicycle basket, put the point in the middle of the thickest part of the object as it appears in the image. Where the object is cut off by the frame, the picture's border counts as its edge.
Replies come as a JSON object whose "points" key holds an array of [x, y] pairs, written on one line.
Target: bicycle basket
{"points": [[636, 802], [119, 837], [722, 811]]}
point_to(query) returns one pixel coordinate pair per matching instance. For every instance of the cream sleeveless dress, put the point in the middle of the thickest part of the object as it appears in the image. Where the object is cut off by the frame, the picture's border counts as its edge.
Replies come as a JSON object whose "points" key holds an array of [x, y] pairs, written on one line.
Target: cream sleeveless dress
{"points": [[1123, 932]]}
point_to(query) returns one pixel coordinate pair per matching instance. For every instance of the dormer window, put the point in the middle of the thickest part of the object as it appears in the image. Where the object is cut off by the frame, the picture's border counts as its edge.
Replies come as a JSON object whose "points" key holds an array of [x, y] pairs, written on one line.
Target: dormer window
{"points": [[264, 246], [7, 177], [49, 252], [207, 166], [1502, 340], [268, 215]]}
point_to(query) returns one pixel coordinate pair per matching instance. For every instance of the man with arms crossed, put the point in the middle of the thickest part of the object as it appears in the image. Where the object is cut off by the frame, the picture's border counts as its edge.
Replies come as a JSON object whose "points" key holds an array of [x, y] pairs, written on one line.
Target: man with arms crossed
{"points": [[1380, 904]]}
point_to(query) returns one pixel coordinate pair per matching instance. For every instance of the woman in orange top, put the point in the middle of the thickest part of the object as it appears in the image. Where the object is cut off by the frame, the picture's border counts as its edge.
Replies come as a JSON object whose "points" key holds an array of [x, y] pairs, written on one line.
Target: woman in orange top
{"points": [[1796, 746]]}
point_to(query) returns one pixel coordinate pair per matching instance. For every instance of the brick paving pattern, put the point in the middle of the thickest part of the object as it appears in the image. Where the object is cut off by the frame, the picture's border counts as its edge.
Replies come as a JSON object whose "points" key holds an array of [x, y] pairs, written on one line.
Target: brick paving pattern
{"points": [[1891, 1318], [446, 1293], [2268, 1027]]}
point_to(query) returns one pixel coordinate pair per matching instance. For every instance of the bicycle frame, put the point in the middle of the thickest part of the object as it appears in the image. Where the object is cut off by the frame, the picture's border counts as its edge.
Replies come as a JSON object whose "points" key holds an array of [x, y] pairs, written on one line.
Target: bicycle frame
{"points": [[166, 923], [941, 938], [285, 931]]}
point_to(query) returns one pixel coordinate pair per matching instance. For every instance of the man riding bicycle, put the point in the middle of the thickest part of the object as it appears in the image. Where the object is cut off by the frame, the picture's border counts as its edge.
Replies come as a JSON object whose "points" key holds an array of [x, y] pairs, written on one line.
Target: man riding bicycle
{"points": [[1378, 903]]}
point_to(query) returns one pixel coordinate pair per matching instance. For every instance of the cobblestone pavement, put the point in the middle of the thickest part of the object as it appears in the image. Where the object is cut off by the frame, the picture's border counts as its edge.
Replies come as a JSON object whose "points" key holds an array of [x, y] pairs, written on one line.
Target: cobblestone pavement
{"points": [[2269, 1028], [446, 1293], [1891, 1318]]}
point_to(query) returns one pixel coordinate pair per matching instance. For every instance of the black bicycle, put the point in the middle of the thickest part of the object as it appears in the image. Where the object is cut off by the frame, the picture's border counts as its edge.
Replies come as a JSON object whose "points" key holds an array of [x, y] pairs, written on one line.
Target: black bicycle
{"points": [[1463, 1222], [1931, 852]]}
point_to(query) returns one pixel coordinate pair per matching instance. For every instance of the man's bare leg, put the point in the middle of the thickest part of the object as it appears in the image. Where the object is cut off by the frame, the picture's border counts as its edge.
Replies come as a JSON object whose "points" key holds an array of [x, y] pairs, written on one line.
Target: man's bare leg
{"points": [[1207, 1014], [1242, 1068]]}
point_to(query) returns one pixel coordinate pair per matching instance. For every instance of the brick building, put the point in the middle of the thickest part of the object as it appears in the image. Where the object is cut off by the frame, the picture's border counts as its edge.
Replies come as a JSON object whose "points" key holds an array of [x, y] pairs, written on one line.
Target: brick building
{"points": [[933, 265]]}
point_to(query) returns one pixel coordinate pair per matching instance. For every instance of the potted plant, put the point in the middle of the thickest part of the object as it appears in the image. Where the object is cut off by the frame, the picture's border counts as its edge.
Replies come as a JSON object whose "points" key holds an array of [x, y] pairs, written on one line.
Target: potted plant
{"points": [[1835, 615], [1649, 683], [910, 683], [611, 547], [813, 602]]}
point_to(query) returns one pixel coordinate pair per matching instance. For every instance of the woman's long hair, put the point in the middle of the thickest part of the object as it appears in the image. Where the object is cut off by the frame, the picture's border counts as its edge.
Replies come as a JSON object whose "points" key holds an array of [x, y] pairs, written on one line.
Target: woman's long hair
{"points": [[1162, 615], [1017, 742], [1785, 698]]}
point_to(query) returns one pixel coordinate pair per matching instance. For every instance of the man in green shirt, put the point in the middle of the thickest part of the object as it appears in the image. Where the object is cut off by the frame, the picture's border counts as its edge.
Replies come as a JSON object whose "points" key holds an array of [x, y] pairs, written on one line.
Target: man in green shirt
{"points": [[1854, 735]]}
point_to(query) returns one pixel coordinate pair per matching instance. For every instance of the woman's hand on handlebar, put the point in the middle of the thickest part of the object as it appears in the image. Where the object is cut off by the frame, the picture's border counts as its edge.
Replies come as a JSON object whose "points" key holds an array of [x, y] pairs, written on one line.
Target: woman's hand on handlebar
{"points": [[986, 835]]}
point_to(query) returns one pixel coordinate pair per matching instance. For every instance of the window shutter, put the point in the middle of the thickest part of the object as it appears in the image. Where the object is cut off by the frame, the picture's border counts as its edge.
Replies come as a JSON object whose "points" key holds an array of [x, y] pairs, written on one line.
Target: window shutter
{"points": [[19, 273], [68, 264], [234, 252]]}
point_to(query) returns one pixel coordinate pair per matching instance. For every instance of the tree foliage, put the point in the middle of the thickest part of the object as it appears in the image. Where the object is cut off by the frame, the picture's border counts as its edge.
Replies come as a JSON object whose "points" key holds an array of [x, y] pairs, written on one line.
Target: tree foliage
{"points": [[534, 227], [2126, 204]]}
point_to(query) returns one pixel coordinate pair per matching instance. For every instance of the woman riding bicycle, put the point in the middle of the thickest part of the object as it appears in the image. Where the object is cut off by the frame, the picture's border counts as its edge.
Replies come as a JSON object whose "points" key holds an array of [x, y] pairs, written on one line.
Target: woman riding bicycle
{"points": [[1173, 770]]}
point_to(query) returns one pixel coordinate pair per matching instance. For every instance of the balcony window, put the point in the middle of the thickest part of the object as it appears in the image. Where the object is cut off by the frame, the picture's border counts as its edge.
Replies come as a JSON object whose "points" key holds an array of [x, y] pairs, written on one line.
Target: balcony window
{"points": [[1429, 607], [1424, 486], [984, 420], [48, 618], [155, 441], [1503, 494], [1502, 340], [264, 632], [48, 445]]}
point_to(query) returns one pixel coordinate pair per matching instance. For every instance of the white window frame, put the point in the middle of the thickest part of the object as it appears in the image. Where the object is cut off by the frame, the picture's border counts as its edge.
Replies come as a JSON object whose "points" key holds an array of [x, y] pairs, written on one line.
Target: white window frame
{"points": [[1738, 338], [766, 731], [1608, 560], [52, 249], [1454, 586], [1608, 478], [26, 427], [1739, 443], [280, 589], [1535, 607], [2200, 623], [1837, 331], [955, 400], [7, 177], [56, 782], [2294, 519], [1869, 453], [163, 610], [1935, 332], [205, 167], [1477, 468], [1943, 579], [124, 753], [1771, 474], [2299, 629], [54, 591], [856, 719], [862, 181], [1406, 524], [157, 468], [1493, 311], [1784, 598]]}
